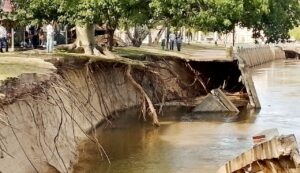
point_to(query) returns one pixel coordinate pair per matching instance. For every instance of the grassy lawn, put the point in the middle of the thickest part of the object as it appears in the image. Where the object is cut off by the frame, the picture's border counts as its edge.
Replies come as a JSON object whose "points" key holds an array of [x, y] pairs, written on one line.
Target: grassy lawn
{"points": [[15, 66]]}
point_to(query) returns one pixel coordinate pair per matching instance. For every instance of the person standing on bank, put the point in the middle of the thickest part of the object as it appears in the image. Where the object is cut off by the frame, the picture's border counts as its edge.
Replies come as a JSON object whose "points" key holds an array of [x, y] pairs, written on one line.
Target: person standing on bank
{"points": [[50, 38], [172, 38], [3, 38], [163, 44], [179, 43]]}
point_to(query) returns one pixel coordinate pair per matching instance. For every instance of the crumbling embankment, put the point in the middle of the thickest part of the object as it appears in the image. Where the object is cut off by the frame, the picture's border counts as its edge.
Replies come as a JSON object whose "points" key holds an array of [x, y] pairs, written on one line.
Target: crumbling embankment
{"points": [[43, 116], [250, 58]]}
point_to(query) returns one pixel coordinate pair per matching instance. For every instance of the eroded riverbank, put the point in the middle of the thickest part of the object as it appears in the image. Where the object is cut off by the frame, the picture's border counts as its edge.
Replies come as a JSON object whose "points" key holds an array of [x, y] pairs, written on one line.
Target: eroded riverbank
{"points": [[45, 116], [201, 143]]}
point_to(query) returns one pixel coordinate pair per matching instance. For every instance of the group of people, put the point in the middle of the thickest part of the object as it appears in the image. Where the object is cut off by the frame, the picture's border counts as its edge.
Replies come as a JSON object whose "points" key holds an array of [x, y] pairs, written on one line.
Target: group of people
{"points": [[3, 38], [32, 37], [173, 40], [36, 37]]}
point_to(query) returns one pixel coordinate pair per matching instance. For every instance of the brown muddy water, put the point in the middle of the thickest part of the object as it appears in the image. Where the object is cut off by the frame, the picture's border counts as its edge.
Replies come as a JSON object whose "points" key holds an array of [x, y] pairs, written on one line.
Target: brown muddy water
{"points": [[190, 143]]}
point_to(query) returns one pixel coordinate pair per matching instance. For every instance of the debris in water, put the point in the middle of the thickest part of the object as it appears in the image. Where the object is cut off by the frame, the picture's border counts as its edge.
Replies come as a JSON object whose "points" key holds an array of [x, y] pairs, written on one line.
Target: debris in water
{"points": [[270, 153]]}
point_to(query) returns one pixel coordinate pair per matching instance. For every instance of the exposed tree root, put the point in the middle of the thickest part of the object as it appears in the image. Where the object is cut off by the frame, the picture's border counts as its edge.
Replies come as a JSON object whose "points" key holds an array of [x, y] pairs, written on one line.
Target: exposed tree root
{"points": [[20, 144], [80, 105], [168, 67], [197, 76], [77, 48], [151, 110]]}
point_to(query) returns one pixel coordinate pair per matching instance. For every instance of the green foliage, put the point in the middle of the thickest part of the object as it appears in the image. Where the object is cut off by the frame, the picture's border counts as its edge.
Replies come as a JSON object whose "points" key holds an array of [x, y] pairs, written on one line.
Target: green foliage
{"points": [[81, 11], [37, 11], [274, 18], [282, 16], [138, 12], [174, 12], [207, 15], [222, 15], [108, 12]]}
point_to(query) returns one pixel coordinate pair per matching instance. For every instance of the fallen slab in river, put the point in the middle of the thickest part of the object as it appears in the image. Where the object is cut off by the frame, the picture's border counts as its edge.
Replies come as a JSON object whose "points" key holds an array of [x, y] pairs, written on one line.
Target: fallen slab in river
{"points": [[216, 102], [279, 154], [251, 57]]}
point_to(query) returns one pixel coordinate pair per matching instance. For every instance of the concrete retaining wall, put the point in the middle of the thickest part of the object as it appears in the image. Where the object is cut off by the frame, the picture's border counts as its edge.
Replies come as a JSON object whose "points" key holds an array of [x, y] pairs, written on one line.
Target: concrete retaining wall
{"points": [[251, 57], [255, 56]]}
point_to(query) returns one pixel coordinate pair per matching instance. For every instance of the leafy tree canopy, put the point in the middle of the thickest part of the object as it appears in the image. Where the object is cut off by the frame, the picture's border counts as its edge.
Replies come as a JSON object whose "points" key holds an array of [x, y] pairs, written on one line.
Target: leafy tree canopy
{"points": [[281, 17], [82, 11], [37, 11], [274, 18]]}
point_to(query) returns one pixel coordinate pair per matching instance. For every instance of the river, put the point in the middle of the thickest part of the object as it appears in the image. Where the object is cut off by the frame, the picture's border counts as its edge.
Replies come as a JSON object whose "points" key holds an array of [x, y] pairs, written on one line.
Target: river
{"points": [[193, 143]]}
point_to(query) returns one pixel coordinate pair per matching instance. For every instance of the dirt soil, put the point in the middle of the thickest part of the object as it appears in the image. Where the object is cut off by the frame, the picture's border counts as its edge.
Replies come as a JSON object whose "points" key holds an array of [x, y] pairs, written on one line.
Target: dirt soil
{"points": [[50, 102]]}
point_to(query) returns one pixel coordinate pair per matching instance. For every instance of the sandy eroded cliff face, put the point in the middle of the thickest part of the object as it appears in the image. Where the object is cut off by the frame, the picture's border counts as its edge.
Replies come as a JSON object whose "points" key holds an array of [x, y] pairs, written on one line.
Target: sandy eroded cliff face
{"points": [[44, 116]]}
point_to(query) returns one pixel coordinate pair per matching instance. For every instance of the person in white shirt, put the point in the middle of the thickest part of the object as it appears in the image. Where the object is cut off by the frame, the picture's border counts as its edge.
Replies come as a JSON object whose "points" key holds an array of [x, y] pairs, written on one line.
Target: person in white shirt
{"points": [[50, 38], [172, 38], [3, 38]]}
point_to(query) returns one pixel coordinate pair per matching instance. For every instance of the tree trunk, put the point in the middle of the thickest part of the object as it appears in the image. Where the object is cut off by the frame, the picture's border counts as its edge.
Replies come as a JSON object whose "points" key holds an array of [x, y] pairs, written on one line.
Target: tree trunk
{"points": [[136, 42], [168, 41], [85, 38], [129, 34], [111, 33], [233, 36], [85, 41], [149, 38], [131, 38], [159, 34], [139, 34]]}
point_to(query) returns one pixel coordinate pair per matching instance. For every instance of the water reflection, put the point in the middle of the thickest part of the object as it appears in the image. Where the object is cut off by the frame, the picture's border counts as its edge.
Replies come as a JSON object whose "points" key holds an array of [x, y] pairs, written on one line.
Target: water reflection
{"points": [[193, 142]]}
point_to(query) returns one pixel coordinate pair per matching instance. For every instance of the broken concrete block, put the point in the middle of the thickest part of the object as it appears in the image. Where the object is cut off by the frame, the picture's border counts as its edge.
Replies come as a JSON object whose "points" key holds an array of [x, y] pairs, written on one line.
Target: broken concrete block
{"points": [[249, 85], [278, 151], [264, 136], [216, 102], [224, 100], [210, 104]]}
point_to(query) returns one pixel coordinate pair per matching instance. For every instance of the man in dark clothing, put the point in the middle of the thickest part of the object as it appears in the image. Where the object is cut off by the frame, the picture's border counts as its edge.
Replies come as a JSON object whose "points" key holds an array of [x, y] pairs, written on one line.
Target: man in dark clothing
{"points": [[178, 43]]}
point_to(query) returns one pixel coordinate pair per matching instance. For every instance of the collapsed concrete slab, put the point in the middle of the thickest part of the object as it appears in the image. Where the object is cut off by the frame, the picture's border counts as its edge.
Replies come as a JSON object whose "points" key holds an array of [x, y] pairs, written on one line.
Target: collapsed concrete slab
{"points": [[251, 57], [210, 104], [249, 85], [224, 100], [279, 154], [247, 80], [216, 102], [265, 136]]}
